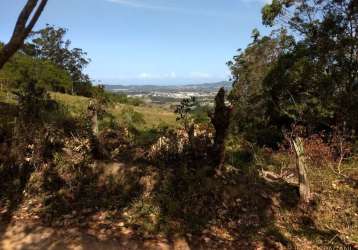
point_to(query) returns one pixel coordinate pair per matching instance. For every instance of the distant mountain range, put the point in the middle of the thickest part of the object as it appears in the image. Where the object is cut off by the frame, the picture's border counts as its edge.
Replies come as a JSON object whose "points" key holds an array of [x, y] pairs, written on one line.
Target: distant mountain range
{"points": [[204, 87]]}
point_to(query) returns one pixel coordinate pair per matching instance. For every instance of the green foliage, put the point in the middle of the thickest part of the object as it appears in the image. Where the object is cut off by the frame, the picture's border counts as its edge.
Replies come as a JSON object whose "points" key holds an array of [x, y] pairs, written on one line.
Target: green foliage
{"points": [[116, 98], [320, 74], [33, 102], [50, 44], [131, 118], [45, 73], [312, 81], [295, 93], [83, 88], [270, 12], [249, 70], [48, 59], [184, 111], [190, 111], [200, 114]]}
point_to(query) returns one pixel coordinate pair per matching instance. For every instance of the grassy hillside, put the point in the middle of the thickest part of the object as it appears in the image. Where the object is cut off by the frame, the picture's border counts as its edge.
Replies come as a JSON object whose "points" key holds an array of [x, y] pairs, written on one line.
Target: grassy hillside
{"points": [[153, 116]]}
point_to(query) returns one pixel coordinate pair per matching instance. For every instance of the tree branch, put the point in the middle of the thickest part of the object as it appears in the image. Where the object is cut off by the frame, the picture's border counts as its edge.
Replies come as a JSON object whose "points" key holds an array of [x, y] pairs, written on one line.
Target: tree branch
{"points": [[35, 17], [21, 31]]}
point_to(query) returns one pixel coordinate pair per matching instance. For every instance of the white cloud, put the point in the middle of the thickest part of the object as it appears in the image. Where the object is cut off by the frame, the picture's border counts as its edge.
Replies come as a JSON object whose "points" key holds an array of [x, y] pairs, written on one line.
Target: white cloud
{"points": [[172, 75], [149, 76], [144, 76], [167, 77], [200, 75]]}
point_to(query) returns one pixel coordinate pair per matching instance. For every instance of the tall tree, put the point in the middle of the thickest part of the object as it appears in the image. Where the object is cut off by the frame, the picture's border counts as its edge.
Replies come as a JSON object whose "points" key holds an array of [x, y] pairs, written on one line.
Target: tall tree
{"points": [[249, 69], [50, 44], [24, 25], [321, 73]]}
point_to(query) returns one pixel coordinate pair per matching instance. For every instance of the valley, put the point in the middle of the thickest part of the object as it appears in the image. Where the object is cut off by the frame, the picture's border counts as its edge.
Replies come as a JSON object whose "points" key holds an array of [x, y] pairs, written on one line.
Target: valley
{"points": [[164, 94]]}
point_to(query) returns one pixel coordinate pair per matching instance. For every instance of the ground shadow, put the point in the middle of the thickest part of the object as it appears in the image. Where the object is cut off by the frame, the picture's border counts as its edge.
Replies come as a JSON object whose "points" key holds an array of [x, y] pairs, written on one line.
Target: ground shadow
{"points": [[234, 211], [12, 185]]}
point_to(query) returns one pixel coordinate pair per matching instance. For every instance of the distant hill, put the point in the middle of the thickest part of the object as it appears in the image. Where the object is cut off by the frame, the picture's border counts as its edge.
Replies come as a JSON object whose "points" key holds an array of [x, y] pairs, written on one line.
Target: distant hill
{"points": [[203, 87], [164, 94]]}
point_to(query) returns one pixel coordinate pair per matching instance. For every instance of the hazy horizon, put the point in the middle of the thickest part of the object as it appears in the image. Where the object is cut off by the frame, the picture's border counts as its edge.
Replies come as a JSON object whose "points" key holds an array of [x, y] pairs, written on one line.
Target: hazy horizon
{"points": [[153, 83]]}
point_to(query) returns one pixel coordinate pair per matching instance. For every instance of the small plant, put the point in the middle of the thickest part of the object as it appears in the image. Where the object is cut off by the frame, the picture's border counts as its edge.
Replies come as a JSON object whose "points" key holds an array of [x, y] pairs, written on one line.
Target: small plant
{"points": [[184, 112], [341, 145], [131, 118], [319, 152], [34, 102]]}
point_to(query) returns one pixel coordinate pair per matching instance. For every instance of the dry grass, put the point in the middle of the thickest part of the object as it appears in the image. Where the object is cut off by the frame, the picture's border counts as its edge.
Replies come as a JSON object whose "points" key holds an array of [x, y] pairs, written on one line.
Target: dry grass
{"points": [[153, 116], [240, 205], [333, 219], [77, 106], [7, 97]]}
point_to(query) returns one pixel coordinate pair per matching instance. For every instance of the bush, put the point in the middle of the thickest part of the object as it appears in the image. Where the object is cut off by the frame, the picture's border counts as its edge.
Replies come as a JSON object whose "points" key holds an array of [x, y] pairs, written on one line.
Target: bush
{"points": [[34, 102], [319, 153], [113, 142], [131, 118]]}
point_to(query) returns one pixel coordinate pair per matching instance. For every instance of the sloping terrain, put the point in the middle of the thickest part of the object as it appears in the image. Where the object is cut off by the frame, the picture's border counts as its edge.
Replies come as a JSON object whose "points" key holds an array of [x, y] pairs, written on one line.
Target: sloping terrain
{"points": [[234, 211], [73, 202]]}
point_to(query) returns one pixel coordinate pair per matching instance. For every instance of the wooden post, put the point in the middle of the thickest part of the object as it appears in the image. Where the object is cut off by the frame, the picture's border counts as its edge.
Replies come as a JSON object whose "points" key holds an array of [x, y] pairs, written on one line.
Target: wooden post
{"points": [[221, 121], [93, 113], [95, 123], [303, 181]]}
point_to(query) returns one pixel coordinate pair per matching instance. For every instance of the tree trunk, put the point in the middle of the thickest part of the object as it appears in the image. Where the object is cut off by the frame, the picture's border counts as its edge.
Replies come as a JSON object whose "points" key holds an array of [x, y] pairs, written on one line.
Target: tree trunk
{"points": [[191, 139], [304, 185], [23, 27], [219, 155]]}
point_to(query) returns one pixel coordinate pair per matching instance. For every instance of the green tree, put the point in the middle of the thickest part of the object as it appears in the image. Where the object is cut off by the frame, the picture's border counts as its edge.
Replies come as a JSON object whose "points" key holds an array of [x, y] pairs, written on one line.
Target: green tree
{"points": [[45, 73], [312, 79], [34, 102], [184, 112], [50, 44], [321, 73], [248, 96]]}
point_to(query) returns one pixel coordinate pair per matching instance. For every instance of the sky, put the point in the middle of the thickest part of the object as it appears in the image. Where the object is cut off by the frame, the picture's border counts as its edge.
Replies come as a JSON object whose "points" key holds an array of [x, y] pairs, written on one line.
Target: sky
{"points": [[150, 41]]}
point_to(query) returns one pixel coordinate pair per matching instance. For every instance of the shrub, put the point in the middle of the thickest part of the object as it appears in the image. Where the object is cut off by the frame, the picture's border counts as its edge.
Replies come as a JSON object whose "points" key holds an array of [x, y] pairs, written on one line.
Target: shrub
{"points": [[34, 102], [131, 118], [113, 142], [319, 152]]}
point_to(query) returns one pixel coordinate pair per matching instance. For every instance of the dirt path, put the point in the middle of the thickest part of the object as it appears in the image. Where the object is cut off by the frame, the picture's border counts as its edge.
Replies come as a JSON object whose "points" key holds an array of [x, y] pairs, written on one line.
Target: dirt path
{"points": [[27, 227], [245, 214], [23, 230], [26, 235]]}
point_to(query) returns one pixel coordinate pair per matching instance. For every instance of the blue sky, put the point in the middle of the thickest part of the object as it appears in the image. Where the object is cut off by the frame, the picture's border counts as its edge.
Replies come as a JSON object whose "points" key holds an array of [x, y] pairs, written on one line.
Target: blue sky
{"points": [[150, 41]]}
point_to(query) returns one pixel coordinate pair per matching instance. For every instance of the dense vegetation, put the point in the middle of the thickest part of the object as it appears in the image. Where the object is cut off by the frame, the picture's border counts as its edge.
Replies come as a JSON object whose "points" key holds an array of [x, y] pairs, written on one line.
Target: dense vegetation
{"points": [[271, 165], [306, 72]]}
